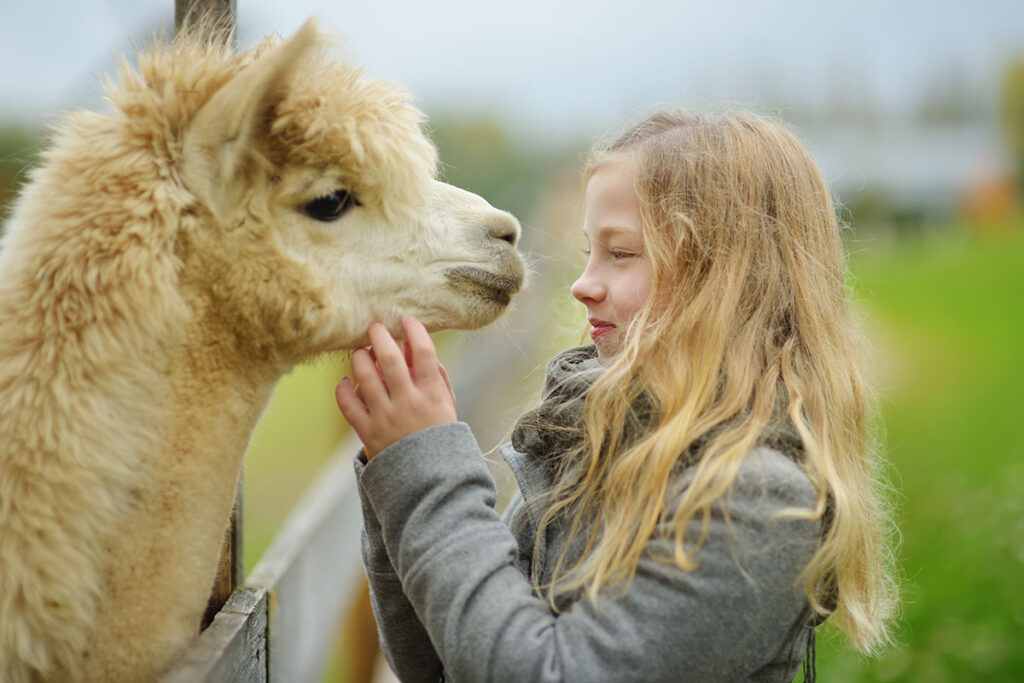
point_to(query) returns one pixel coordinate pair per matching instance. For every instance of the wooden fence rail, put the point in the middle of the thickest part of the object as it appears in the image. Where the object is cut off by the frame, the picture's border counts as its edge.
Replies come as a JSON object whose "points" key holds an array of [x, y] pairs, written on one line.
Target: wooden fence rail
{"points": [[281, 624]]}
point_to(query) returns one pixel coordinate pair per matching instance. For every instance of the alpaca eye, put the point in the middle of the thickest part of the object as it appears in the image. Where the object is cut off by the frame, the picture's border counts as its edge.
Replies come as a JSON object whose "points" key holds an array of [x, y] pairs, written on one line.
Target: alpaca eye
{"points": [[330, 207]]}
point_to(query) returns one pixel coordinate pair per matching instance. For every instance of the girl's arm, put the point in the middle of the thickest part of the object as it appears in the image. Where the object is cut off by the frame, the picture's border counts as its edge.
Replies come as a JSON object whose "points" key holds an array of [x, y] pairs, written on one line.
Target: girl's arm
{"points": [[725, 620], [403, 639]]}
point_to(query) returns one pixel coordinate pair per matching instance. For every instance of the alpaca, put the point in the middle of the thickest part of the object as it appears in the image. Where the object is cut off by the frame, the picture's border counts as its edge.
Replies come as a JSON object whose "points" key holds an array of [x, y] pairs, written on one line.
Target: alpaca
{"points": [[230, 216]]}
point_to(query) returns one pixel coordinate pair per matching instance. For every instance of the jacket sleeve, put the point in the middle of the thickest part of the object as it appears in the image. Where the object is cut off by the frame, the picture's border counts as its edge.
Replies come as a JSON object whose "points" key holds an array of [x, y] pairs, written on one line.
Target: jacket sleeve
{"points": [[403, 639], [455, 559]]}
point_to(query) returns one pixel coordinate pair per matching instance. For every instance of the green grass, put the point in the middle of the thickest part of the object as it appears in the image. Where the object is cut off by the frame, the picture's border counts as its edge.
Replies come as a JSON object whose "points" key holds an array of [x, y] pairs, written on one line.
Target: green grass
{"points": [[299, 431], [949, 329]]}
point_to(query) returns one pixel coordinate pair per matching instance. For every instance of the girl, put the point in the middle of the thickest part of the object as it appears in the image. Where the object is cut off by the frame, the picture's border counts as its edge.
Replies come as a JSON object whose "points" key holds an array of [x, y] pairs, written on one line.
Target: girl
{"points": [[696, 487]]}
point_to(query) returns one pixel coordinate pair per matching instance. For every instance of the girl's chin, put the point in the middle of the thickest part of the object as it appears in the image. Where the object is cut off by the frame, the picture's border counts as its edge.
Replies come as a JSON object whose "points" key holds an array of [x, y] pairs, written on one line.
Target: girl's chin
{"points": [[606, 339], [607, 346]]}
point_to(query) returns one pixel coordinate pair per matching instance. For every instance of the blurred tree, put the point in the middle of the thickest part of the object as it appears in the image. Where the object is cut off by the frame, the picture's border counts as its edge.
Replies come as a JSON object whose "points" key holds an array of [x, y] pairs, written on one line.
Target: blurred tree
{"points": [[1012, 111], [19, 151], [951, 96], [480, 155]]}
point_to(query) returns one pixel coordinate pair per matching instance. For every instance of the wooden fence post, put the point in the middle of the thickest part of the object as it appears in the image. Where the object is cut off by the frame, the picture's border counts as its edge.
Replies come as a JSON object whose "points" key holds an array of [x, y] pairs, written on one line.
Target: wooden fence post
{"points": [[231, 571], [188, 12]]}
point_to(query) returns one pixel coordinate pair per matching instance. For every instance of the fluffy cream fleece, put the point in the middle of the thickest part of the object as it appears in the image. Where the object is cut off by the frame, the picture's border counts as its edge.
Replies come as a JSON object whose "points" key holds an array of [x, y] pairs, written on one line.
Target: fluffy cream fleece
{"points": [[162, 269]]}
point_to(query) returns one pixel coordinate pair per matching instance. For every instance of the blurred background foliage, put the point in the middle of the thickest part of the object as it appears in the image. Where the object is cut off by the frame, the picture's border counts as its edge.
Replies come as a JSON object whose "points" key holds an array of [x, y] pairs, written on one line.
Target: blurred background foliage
{"points": [[938, 270]]}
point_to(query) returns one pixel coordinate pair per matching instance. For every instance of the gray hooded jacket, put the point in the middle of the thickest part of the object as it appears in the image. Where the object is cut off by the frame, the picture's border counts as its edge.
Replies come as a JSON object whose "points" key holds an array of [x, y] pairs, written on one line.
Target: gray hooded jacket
{"points": [[450, 579]]}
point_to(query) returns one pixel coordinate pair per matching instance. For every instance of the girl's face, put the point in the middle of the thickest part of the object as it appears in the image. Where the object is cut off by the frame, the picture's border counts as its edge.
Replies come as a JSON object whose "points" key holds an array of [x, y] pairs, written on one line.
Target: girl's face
{"points": [[617, 279]]}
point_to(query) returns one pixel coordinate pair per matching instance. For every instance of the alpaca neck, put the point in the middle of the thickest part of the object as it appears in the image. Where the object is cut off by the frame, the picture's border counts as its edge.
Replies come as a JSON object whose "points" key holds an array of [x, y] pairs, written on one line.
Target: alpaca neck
{"points": [[164, 561]]}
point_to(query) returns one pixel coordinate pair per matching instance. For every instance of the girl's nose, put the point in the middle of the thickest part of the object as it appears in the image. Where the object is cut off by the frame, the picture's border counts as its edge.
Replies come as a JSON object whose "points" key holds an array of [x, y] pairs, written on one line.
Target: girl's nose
{"points": [[587, 288]]}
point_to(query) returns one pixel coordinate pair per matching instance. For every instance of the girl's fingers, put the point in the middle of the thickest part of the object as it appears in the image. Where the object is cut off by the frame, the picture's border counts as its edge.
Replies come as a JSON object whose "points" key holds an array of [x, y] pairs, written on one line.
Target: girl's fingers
{"points": [[423, 353], [407, 352], [447, 382], [372, 389], [351, 406], [390, 358]]}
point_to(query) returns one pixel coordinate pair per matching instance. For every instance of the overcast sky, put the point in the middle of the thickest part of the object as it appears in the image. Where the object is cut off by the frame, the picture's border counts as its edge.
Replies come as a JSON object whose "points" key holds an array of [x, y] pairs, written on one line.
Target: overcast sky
{"points": [[558, 65]]}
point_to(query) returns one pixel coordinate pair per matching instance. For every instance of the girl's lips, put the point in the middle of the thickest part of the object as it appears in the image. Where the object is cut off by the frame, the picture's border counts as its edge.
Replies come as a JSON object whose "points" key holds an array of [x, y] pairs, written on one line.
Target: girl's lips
{"points": [[600, 328]]}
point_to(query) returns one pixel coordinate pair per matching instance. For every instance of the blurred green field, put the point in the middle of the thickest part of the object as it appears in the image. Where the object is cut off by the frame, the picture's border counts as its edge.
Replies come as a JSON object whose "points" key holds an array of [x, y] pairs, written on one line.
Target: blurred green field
{"points": [[948, 323], [299, 431]]}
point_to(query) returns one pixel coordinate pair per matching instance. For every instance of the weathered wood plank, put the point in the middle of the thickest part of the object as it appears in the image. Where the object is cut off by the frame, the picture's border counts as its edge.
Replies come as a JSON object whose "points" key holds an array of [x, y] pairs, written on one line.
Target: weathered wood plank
{"points": [[233, 649]]}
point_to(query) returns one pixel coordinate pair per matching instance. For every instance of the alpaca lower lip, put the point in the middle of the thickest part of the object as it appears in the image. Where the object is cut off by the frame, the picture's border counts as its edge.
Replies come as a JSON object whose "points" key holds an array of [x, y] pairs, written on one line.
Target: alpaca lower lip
{"points": [[483, 283]]}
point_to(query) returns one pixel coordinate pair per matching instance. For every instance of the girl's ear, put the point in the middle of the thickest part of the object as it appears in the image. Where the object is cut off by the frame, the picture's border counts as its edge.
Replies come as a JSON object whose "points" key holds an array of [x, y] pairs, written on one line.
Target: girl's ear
{"points": [[221, 137]]}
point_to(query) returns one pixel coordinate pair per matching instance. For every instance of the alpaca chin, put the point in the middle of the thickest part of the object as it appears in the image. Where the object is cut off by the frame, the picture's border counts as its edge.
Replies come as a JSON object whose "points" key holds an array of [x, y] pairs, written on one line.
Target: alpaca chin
{"points": [[485, 295]]}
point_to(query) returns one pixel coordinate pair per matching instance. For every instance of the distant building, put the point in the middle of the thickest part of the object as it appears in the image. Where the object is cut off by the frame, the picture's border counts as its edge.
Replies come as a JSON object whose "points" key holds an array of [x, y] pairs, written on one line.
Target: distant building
{"points": [[915, 170]]}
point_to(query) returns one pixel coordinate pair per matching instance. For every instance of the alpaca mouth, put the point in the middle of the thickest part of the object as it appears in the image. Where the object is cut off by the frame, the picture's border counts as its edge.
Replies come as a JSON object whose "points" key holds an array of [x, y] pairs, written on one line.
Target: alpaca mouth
{"points": [[483, 283]]}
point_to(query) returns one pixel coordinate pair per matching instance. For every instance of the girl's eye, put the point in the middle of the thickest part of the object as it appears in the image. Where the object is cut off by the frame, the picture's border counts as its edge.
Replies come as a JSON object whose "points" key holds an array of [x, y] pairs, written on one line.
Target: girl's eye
{"points": [[618, 254], [330, 207]]}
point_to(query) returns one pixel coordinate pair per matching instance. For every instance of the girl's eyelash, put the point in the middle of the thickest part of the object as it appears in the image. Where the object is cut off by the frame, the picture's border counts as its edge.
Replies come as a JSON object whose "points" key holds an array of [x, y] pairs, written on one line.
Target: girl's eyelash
{"points": [[616, 253]]}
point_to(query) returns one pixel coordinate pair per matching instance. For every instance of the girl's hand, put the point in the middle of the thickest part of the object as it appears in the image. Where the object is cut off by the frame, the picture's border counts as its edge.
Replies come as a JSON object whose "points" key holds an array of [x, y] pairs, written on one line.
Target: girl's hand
{"points": [[398, 391]]}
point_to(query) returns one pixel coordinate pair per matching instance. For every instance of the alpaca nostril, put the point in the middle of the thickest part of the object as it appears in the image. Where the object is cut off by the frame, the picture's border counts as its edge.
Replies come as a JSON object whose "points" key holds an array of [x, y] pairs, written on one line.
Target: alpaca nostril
{"points": [[504, 228]]}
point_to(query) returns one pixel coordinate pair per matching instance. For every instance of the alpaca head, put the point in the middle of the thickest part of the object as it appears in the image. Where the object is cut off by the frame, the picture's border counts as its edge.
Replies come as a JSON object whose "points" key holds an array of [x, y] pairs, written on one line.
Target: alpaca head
{"points": [[313, 208]]}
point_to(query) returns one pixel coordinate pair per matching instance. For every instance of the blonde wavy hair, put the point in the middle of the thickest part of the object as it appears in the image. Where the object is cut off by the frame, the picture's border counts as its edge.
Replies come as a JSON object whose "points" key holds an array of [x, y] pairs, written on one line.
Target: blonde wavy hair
{"points": [[748, 338]]}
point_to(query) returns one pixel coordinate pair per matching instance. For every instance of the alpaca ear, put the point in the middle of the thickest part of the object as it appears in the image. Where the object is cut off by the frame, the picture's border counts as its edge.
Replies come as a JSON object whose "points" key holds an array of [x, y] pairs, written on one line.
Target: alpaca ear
{"points": [[220, 137]]}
